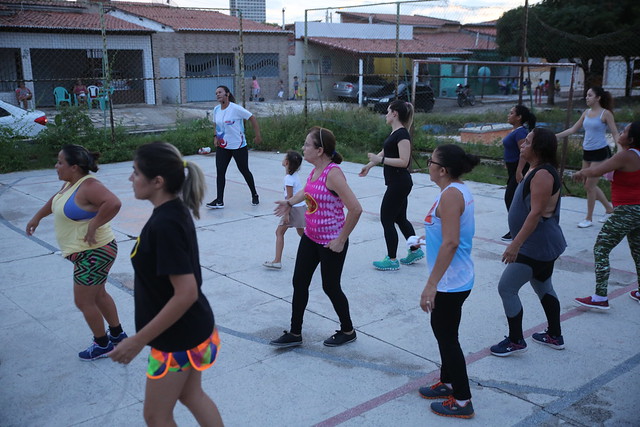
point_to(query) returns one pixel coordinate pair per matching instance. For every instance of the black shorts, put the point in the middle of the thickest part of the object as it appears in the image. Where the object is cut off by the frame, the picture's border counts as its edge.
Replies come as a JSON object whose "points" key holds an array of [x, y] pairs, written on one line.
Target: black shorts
{"points": [[599, 155]]}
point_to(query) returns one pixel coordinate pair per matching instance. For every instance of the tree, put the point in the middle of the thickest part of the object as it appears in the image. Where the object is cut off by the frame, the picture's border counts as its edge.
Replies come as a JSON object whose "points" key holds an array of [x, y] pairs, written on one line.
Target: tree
{"points": [[584, 31]]}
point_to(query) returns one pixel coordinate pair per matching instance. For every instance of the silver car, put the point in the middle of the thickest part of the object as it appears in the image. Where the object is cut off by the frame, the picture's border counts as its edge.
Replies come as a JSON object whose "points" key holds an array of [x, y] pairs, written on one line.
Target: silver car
{"points": [[347, 89], [21, 122]]}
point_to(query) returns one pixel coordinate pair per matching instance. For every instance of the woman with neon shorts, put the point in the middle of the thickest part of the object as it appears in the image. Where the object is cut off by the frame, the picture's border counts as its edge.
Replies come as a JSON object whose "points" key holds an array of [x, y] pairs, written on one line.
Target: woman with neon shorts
{"points": [[82, 210], [172, 314]]}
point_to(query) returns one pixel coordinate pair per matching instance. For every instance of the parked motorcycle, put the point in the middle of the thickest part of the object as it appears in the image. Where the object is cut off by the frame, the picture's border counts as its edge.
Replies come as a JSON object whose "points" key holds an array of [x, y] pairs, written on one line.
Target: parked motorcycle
{"points": [[465, 96]]}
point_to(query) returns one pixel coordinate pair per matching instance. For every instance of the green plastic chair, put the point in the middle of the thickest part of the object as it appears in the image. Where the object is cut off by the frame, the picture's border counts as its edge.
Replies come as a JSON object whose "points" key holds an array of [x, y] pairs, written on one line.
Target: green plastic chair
{"points": [[104, 97], [61, 95]]}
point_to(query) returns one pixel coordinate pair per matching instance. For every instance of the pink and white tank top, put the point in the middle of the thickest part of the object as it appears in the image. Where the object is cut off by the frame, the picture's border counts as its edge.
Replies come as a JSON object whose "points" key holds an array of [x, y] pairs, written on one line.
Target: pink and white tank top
{"points": [[325, 210]]}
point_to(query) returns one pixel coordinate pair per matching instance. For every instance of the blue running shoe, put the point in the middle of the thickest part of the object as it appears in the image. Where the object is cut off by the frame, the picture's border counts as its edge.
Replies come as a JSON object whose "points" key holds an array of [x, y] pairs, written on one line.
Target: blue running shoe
{"points": [[387, 264], [412, 257], [507, 348], [544, 338], [94, 351], [116, 340]]}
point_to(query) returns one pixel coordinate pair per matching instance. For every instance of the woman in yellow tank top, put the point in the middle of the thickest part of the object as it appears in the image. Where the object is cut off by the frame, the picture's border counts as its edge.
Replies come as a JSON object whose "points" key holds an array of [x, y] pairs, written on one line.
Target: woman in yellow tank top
{"points": [[82, 210]]}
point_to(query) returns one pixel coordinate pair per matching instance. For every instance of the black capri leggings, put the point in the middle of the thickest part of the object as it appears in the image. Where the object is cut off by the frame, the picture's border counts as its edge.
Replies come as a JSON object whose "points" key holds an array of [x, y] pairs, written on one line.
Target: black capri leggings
{"points": [[393, 210], [310, 254], [223, 158], [445, 322]]}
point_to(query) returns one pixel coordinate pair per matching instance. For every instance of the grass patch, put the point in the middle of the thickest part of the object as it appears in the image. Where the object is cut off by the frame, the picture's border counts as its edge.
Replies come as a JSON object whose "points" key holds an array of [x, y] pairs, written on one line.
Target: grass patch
{"points": [[358, 131]]}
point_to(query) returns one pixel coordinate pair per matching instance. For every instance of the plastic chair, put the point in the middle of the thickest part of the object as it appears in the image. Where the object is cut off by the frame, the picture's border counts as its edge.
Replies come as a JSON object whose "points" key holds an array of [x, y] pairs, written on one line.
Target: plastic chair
{"points": [[94, 93], [104, 97], [61, 95]]}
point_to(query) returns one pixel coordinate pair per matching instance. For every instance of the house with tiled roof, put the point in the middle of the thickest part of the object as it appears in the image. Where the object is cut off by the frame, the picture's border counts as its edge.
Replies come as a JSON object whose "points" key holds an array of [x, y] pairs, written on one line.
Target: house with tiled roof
{"points": [[195, 50], [367, 42], [157, 53]]}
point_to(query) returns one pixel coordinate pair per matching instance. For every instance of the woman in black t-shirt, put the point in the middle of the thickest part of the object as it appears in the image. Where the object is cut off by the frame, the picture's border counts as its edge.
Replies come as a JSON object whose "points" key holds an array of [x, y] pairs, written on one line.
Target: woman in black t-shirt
{"points": [[172, 314], [395, 157]]}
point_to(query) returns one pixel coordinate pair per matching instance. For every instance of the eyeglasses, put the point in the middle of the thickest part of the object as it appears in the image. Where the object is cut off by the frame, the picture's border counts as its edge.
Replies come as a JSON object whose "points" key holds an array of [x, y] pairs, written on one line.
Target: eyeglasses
{"points": [[321, 142], [431, 161]]}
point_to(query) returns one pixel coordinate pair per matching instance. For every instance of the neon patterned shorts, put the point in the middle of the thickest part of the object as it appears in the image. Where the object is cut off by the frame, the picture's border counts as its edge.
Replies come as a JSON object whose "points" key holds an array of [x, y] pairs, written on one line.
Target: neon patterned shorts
{"points": [[199, 358], [91, 267]]}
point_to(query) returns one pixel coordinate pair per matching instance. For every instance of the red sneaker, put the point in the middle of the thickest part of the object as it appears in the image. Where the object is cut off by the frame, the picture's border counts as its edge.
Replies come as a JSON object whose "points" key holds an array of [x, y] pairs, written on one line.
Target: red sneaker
{"points": [[635, 295], [588, 302]]}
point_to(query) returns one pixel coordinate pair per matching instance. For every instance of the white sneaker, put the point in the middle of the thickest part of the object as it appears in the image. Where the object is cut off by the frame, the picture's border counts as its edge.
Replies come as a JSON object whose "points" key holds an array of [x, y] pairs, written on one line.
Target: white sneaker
{"points": [[585, 224], [605, 217], [274, 265]]}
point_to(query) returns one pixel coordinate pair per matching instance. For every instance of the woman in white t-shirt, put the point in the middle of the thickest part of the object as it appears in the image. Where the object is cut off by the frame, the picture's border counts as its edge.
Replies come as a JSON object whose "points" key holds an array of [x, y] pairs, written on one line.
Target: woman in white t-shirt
{"points": [[230, 142], [295, 217]]}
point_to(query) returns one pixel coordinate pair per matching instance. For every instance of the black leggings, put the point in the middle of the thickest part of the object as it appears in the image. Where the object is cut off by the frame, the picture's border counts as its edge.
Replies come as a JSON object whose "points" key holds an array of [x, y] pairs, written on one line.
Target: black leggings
{"points": [[393, 210], [445, 322], [223, 158], [512, 183], [310, 254]]}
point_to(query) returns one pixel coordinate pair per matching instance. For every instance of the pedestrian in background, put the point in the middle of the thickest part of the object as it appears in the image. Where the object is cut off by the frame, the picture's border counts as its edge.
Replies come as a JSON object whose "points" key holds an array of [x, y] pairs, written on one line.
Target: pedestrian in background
{"points": [[255, 89], [172, 314], [449, 230]]}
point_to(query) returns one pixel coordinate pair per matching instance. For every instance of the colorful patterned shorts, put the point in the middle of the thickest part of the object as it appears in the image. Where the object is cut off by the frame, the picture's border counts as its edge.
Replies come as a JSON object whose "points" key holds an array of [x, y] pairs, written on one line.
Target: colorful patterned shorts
{"points": [[199, 358], [91, 267]]}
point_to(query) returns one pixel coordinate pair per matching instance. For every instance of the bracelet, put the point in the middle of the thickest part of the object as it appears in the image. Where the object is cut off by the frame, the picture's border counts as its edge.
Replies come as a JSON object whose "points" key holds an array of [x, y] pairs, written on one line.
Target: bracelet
{"points": [[382, 161], [289, 203]]}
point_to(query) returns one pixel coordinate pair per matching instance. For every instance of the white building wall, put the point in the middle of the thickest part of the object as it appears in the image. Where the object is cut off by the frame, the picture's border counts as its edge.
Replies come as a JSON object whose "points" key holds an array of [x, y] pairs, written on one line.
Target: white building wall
{"points": [[353, 31]]}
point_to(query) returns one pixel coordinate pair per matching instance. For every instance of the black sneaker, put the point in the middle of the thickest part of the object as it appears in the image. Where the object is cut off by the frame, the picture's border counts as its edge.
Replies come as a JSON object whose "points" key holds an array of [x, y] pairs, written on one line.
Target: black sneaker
{"points": [[340, 338], [254, 200], [287, 340], [215, 204], [507, 237], [450, 408], [506, 347], [436, 391]]}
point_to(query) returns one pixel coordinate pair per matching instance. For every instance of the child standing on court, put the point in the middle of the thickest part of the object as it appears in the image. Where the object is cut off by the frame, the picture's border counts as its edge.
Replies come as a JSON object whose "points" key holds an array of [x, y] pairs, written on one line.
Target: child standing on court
{"points": [[295, 218], [172, 314]]}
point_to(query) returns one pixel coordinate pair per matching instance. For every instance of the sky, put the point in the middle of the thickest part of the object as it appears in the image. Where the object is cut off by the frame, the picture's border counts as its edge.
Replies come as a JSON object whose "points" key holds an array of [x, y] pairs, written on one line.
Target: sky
{"points": [[465, 11]]}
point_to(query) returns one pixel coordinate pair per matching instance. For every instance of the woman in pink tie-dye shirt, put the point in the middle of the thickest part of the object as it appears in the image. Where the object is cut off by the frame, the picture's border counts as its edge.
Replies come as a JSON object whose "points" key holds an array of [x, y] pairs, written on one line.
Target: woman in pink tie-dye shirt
{"points": [[325, 240]]}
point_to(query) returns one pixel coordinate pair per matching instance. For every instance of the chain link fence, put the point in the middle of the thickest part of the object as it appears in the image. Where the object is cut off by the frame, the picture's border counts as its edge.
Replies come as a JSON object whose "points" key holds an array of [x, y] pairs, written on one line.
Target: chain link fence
{"points": [[135, 54]]}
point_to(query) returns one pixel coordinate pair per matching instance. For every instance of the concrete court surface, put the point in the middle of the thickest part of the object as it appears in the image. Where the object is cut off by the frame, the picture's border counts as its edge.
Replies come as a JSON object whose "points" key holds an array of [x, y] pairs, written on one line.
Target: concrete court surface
{"points": [[371, 382]]}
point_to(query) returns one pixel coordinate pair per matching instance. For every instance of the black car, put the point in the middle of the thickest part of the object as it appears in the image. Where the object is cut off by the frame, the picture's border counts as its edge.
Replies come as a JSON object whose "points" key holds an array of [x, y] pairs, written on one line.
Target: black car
{"points": [[425, 99]]}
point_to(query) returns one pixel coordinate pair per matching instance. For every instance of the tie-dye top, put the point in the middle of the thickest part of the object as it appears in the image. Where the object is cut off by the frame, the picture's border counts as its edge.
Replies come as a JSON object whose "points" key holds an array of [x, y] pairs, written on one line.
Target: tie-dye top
{"points": [[325, 210]]}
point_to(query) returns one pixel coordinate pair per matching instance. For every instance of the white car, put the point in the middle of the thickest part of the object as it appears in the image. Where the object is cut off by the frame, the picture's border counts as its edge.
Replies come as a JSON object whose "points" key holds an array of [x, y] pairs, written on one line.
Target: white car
{"points": [[21, 122]]}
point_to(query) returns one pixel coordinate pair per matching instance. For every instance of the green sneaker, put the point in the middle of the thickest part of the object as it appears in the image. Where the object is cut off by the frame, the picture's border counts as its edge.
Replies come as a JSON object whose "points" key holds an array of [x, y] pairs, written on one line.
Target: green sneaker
{"points": [[412, 257], [386, 264]]}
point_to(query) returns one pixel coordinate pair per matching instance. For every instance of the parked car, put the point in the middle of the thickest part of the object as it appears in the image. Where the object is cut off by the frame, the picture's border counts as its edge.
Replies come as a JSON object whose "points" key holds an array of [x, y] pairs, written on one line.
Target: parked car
{"points": [[425, 99], [347, 89], [21, 122]]}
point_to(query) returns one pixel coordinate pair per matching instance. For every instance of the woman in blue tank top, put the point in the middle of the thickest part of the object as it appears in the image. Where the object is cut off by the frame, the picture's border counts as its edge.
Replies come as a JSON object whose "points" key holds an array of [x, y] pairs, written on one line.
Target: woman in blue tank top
{"points": [[595, 121]]}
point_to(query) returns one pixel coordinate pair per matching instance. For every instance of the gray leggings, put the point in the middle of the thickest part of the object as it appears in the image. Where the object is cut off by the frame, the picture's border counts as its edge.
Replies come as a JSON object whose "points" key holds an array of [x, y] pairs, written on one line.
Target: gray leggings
{"points": [[514, 277]]}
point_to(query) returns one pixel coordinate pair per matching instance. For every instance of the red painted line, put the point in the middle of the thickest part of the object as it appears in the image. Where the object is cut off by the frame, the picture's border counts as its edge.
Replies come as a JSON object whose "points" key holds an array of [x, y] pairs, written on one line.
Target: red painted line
{"points": [[433, 376]]}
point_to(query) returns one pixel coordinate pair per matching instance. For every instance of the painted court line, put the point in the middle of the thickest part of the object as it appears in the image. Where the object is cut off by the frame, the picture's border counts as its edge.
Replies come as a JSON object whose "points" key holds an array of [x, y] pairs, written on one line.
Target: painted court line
{"points": [[431, 377]]}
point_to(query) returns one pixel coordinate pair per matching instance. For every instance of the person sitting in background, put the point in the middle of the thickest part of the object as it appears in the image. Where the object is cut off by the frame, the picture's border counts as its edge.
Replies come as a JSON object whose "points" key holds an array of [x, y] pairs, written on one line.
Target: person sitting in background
{"points": [[81, 92], [23, 95]]}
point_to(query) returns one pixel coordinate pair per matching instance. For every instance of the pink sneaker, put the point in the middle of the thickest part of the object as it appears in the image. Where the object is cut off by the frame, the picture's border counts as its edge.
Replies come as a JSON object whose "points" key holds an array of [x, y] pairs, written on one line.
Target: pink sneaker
{"points": [[588, 302], [635, 295]]}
